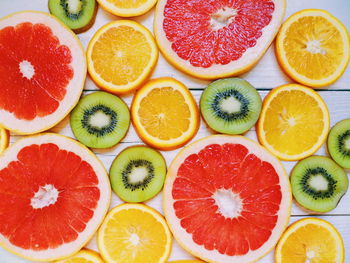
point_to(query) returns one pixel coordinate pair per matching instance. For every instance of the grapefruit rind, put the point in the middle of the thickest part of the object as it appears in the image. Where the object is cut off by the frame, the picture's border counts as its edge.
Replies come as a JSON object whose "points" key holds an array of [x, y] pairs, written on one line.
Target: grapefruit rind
{"points": [[291, 72], [261, 133], [75, 86], [131, 86], [235, 68], [302, 223], [180, 234], [127, 12], [102, 207]]}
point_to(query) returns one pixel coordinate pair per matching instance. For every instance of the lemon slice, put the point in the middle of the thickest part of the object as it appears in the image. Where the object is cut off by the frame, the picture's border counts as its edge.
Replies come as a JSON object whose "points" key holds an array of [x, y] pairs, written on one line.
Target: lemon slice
{"points": [[83, 256]]}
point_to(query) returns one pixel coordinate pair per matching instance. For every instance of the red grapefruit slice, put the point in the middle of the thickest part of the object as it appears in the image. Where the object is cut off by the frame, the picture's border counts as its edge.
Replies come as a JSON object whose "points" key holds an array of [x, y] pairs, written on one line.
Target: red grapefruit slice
{"points": [[54, 193], [212, 39], [42, 71], [227, 199]]}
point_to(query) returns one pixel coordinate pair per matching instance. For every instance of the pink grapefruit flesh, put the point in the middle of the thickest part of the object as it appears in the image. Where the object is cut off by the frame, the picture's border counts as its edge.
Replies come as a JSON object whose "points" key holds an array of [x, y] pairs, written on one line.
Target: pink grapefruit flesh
{"points": [[227, 199], [53, 195], [211, 39], [42, 71]]}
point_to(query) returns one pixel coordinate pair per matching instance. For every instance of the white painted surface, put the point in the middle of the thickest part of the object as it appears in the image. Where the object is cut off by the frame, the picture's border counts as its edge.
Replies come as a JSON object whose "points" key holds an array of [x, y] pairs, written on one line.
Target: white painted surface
{"points": [[265, 75]]}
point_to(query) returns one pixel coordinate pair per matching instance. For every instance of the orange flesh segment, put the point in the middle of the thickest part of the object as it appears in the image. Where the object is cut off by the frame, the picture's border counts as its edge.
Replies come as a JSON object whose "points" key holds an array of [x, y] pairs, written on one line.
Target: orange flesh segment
{"points": [[164, 113], [128, 4]]}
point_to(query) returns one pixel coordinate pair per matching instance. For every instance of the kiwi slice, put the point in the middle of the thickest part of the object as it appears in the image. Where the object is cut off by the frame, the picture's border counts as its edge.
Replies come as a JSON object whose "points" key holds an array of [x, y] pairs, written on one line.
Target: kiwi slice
{"points": [[78, 15], [100, 120], [318, 183], [230, 106], [138, 173], [339, 143]]}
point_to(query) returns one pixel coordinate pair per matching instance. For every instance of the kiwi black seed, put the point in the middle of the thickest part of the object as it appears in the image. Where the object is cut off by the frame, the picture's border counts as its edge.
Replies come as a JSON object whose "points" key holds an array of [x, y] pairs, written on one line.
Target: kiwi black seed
{"points": [[339, 143], [318, 183], [100, 120], [78, 15], [138, 173], [230, 106]]}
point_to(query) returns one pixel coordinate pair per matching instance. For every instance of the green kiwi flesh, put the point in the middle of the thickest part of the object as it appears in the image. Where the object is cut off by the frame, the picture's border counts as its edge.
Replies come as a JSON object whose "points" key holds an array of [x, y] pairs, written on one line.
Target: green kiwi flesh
{"points": [[339, 143], [100, 120], [318, 183], [137, 174], [230, 106], [76, 14]]}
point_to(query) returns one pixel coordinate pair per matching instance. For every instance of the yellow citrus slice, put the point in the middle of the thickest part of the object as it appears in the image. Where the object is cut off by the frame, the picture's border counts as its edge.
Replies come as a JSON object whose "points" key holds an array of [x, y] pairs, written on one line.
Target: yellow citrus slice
{"points": [[132, 233], [127, 8], [313, 47], [310, 240], [294, 122], [165, 114], [121, 55], [4, 139], [83, 256], [186, 261]]}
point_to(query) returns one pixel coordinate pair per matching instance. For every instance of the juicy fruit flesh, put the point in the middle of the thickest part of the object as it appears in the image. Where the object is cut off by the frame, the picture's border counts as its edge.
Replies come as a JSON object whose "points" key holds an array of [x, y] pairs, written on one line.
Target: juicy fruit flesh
{"points": [[162, 110], [46, 223], [310, 243], [34, 70], [99, 120], [313, 39], [339, 143], [133, 236], [121, 54], [128, 4], [252, 205], [215, 32], [290, 117]]}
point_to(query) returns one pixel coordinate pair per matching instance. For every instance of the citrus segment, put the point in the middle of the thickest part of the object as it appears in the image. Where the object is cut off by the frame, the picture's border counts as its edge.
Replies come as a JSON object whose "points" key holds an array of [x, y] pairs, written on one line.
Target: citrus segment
{"points": [[127, 8], [59, 195], [83, 256], [294, 122], [121, 55], [212, 39], [4, 139], [226, 199], [310, 240], [165, 114], [313, 47], [133, 232], [44, 73]]}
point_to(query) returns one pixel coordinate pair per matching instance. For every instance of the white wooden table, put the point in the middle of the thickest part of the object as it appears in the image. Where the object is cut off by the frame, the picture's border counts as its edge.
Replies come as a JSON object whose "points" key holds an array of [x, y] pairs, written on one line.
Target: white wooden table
{"points": [[265, 76]]}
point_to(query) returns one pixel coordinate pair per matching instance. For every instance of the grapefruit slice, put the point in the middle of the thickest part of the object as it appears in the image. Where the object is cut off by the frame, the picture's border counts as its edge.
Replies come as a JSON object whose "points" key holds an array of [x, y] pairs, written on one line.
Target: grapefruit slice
{"points": [[42, 71], [216, 38], [227, 199], [54, 194]]}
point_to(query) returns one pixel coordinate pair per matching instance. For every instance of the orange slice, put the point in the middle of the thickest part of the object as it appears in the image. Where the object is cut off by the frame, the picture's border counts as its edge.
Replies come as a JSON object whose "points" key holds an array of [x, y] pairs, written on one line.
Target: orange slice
{"points": [[186, 261], [83, 256], [127, 8], [134, 233], [121, 55], [294, 122], [313, 47], [310, 240], [165, 114], [4, 139]]}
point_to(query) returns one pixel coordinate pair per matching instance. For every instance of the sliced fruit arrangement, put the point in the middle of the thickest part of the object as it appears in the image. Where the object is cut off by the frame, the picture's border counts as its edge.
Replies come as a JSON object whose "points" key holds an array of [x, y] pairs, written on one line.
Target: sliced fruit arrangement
{"points": [[339, 143], [310, 240], [100, 120], [227, 199], [121, 55], [59, 194], [44, 74], [214, 39], [186, 261], [137, 173], [4, 139], [165, 114], [132, 233], [313, 47], [318, 183], [230, 106], [83, 256], [294, 122], [127, 8], [78, 15]]}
